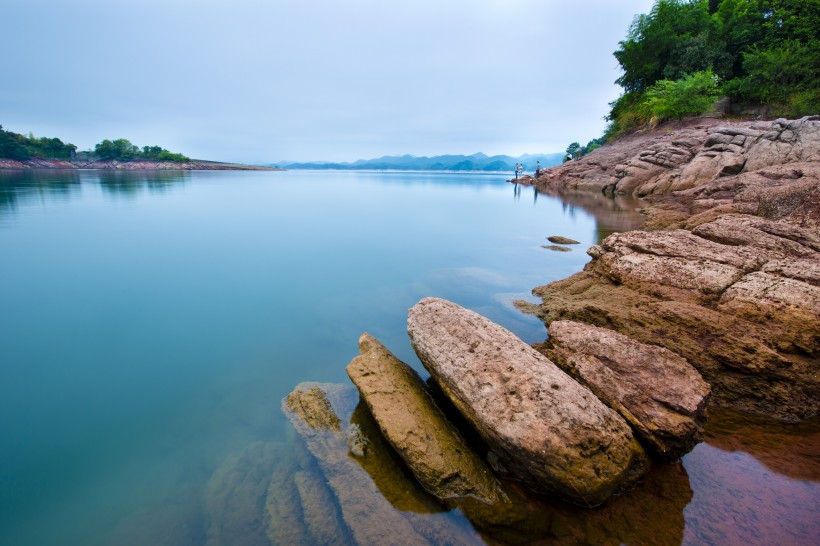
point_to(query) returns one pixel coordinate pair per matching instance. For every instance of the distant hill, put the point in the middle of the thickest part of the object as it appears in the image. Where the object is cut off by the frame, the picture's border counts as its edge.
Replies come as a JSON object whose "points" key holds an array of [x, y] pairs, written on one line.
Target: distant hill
{"points": [[475, 162]]}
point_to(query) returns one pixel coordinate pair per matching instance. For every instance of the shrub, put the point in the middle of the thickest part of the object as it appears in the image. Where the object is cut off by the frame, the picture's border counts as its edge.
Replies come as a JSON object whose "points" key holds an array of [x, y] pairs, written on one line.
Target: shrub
{"points": [[689, 96]]}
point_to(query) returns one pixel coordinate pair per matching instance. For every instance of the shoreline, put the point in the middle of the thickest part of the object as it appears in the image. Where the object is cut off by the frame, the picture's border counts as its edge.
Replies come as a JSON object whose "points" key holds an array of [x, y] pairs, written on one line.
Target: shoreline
{"points": [[193, 165], [724, 269]]}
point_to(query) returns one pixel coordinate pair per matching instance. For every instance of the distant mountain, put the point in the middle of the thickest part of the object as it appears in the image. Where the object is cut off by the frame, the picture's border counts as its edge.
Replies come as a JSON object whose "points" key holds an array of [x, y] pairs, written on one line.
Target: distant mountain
{"points": [[475, 162]]}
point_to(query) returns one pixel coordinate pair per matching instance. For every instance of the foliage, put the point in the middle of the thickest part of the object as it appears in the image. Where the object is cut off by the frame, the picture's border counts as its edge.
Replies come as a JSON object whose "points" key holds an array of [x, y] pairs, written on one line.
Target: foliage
{"points": [[122, 150], [22, 147], [766, 51], [575, 150], [688, 96]]}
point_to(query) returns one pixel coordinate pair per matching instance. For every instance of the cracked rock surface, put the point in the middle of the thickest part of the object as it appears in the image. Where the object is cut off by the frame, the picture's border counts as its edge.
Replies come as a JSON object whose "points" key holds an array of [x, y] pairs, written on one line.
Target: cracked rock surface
{"points": [[726, 272]]}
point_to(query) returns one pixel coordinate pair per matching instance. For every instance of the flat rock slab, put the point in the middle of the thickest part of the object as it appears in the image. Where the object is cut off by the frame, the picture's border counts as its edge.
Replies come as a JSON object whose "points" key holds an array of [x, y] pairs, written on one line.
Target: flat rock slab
{"points": [[658, 392], [543, 426], [411, 422], [558, 240]]}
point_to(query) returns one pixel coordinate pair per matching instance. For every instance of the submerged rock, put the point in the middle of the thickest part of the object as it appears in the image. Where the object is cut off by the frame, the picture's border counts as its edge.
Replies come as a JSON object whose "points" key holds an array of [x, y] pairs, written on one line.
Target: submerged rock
{"points": [[557, 239], [235, 497], [544, 427], [433, 449], [370, 518], [319, 508], [659, 394]]}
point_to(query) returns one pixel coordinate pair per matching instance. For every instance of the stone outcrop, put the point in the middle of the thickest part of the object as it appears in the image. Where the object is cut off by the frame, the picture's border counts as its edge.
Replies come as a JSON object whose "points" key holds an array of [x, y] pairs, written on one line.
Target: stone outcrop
{"points": [[659, 393], [432, 448], [668, 160], [726, 272], [540, 424]]}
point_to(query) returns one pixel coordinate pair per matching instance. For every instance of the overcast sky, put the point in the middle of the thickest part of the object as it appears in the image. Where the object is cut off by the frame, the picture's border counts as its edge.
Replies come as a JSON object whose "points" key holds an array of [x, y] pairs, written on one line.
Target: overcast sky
{"points": [[270, 80]]}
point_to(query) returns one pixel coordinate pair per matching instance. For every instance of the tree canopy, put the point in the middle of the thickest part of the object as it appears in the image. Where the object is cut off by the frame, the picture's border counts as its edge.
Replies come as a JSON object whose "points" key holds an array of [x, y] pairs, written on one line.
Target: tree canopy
{"points": [[21, 147], [764, 52]]}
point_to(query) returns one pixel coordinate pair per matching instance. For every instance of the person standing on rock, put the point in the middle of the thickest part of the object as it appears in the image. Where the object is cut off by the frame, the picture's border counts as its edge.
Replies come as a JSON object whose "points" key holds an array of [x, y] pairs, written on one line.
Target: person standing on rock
{"points": [[517, 170], [537, 169]]}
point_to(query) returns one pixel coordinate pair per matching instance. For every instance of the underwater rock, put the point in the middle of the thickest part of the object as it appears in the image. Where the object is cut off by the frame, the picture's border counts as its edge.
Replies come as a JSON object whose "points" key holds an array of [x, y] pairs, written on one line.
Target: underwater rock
{"points": [[411, 422], [369, 516], [659, 394], [235, 496], [544, 427], [319, 509]]}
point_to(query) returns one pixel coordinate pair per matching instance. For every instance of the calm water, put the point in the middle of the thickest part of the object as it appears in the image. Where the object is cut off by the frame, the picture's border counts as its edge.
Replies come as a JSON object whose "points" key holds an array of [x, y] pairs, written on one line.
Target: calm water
{"points": [[151, 323]]}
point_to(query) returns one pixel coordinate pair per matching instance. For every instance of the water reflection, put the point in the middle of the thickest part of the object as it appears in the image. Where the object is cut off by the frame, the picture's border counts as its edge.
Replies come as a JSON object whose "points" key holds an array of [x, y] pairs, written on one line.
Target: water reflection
{"points": [[19, 187], [363, 472], [790, 449], [131, 183], [612, 214]]}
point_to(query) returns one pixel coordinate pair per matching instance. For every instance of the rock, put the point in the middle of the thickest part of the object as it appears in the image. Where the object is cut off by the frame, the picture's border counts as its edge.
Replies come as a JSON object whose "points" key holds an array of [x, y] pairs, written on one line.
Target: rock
{"points": [[557, 239], [235, 496], [406, 416], [369, 516], [411, 422], [399, 487], [283, 505], [543, 426], [319, 509], [556, 248], [659, 394], [736, 297], [686, 157]]}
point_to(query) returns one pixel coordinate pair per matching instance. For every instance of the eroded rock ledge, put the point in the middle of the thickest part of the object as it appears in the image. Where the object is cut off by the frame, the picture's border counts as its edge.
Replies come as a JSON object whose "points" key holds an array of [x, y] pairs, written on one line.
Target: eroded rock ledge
{"points": [[726, 273]]}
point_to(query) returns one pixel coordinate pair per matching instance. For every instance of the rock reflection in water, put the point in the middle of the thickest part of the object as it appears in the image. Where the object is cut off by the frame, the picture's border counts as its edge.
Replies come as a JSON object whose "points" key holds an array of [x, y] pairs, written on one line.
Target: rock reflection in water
{"points": [[344, 485], [755, 481], [612, 214]]}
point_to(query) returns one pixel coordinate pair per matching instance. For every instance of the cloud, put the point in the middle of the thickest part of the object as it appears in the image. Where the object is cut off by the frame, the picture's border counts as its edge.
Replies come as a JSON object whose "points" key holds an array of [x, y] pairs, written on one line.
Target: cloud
{"points": [[264, 81]]}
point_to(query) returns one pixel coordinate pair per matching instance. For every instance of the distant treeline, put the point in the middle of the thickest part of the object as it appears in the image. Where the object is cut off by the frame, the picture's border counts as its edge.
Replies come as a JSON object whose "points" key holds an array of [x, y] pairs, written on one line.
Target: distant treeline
{"points": [[22, 147], [684, 54], [122, 150]]}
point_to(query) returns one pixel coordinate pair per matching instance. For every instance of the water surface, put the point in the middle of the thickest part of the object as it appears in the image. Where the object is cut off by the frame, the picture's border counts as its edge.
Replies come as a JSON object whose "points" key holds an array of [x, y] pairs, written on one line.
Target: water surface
{"points": [[152, 322]]}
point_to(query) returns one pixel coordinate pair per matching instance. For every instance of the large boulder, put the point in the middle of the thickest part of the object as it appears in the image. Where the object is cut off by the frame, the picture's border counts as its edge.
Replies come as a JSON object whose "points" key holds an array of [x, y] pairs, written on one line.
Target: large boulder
{"points": [[544, 427], [403, 407], [659, 393]]}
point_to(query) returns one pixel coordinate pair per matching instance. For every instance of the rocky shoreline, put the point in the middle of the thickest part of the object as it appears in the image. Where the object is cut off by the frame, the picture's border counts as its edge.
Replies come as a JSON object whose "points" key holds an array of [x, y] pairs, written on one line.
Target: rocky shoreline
{"points": [[714, 303], [725, 272], [193, 165]]}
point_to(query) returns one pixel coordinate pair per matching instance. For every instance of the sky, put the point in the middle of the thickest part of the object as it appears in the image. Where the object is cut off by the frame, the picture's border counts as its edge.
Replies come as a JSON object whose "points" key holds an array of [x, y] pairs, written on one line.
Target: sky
{"points": [[263, 81]]}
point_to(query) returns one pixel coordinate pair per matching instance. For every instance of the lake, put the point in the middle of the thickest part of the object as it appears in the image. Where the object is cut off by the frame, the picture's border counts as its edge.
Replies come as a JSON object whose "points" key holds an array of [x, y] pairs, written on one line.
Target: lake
{"points": [[152, 322]]}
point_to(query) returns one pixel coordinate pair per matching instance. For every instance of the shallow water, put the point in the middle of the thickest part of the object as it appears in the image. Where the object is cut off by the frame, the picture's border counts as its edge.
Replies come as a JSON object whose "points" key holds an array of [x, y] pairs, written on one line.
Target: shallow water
{"points": [[152, 322]]}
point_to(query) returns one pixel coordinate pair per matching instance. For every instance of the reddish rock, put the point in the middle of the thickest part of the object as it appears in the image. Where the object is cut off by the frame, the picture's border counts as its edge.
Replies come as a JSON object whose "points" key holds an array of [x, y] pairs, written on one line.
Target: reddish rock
{"points": [[544, 427], [659, 394]]}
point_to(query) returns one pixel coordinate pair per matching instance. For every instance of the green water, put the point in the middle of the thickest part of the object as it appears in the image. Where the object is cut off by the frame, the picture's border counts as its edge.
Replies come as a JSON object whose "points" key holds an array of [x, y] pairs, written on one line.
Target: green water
{"points": [[151, 323]]}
